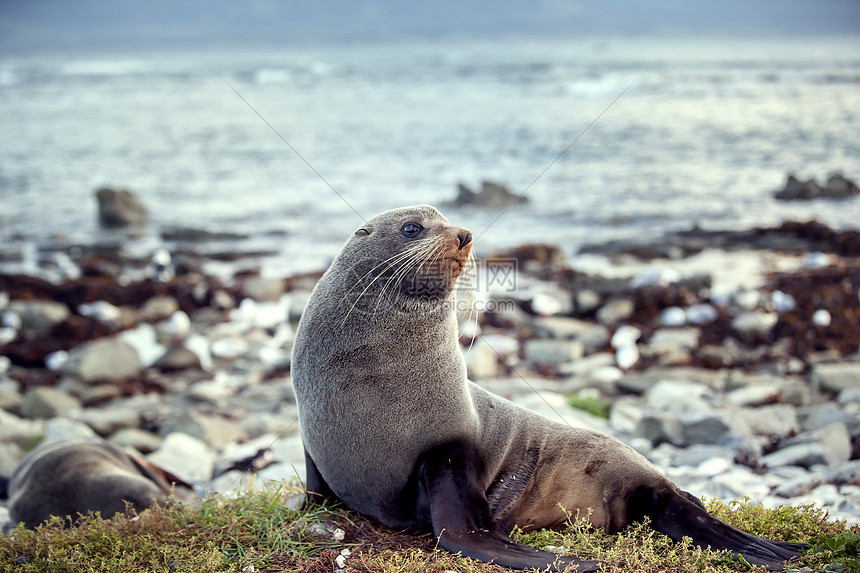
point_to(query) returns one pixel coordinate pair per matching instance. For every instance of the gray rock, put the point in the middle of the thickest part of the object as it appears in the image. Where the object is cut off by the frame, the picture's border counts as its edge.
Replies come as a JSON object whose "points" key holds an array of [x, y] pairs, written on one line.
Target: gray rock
{"points": [[838, 187], [105, 421], [830, 445], [847, 396], [820, 416], [186, 456], [38, 317], [481, 360], [119, 208], [755, 322], [696, 454], [18, 430], [754, 395], [836, 377], [491, 196], [795, 487], [795, 190], [594, 337], [10, 395], [263, 289], [213, 430], [615, 311], [158, 308], [141, 440], [661, 428], [625, 415], [667, 339], [10, 454], [639, 382], [778, 420], [586, 301], [59, 429], [552, 352], [676, 395], [110, 358], [46, 402], [705, 428], [848, 472], [177, 358]]}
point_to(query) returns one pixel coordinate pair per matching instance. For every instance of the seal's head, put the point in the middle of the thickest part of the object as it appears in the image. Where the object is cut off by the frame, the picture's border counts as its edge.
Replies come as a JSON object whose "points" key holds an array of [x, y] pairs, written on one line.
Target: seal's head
{"points": [[406, 259]]}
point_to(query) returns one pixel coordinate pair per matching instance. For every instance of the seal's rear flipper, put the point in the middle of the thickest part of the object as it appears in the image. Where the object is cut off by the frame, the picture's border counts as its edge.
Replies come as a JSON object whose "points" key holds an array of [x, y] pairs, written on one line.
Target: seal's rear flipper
{"points": [[679, 515], [461, 518]]}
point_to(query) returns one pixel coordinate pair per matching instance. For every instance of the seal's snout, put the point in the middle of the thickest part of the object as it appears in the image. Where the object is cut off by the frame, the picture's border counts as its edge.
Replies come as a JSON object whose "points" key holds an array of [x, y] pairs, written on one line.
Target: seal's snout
{"points": [[465, 237]]}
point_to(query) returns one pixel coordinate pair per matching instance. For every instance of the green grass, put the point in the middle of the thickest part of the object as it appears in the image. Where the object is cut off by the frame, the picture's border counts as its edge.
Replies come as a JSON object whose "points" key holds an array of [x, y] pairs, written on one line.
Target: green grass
{"points": [[256, 532], [590, 404]]}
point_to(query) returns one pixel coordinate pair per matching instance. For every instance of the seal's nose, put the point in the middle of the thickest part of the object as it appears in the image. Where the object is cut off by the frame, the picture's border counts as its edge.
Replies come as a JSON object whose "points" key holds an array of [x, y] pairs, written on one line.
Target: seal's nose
{"points": [[465, 238]]}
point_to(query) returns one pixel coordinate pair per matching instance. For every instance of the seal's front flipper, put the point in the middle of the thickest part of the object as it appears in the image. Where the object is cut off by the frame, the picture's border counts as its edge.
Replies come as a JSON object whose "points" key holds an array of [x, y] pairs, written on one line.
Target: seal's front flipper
{"points": [[461, 515], [316, 488]]}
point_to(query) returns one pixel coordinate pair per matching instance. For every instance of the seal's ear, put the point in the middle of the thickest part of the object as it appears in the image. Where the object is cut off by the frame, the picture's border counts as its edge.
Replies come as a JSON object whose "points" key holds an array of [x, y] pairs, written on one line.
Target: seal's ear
{"points": [[366, 230]]}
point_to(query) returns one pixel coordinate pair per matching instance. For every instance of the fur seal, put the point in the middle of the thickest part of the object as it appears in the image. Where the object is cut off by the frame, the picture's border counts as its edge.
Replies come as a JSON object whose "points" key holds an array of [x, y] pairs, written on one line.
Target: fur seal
{"points": [[73, 477], [393, 428]]}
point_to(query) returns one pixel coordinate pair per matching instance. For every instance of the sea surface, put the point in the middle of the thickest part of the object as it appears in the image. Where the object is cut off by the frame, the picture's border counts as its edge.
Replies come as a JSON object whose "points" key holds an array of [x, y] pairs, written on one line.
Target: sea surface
{"points": [[611, 139]]}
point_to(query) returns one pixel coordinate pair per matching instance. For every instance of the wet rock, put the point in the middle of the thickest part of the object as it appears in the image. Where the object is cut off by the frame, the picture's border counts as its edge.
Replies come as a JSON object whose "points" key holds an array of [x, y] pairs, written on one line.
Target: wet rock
{"points": [[44, 402], [796, 190], [615, 311], [110, 358], [491, 196], [838, 187], [186, 456], [120, 208], [38, 317]]}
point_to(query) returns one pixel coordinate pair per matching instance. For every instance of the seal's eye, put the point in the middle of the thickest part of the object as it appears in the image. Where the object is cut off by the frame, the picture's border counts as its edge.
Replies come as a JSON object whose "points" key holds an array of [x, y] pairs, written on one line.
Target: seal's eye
{"points": [[411, 229]]}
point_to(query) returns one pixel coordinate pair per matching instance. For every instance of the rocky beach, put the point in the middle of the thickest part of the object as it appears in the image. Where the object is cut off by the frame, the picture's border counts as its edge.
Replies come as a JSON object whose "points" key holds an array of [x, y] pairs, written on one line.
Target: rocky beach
{"points": [[728, 358]]}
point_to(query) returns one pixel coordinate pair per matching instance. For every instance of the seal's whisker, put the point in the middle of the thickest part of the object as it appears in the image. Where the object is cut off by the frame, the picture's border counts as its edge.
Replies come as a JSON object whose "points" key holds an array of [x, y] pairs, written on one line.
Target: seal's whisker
{"points": [[404, 268], [391, 261]]}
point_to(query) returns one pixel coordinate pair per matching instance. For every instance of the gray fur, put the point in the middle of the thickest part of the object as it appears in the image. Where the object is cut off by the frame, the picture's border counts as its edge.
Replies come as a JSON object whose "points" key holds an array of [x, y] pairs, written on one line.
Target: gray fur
{"points": [[77, 476], [380, 380]]}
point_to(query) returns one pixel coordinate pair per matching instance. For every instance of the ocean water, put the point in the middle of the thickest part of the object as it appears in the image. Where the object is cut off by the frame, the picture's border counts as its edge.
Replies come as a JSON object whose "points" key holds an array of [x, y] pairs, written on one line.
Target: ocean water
{"points": [[659, 135]]}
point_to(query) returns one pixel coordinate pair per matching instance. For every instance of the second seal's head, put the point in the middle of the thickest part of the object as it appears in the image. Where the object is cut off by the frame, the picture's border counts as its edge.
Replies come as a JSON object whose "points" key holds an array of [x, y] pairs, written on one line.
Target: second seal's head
{"points": [[408, 258]]}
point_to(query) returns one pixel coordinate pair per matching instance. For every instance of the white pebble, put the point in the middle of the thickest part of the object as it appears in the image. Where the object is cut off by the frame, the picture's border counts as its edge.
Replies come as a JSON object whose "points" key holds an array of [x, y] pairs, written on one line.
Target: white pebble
{"points": [[546, 304], [627, 356], [55, 360], [673, 316], [782, 302], [702, 314], [625, 336], [821, 317], [815, 260], [748, 299], [12, 320], [178, 325], [5, 363], [341, 561], [338, 534], [101, 310], [7, 335], [4, 299]]}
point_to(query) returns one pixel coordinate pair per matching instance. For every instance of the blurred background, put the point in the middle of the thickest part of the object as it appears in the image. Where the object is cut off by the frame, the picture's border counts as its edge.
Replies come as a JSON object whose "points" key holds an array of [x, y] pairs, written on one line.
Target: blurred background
{"points": [[397, 103]]}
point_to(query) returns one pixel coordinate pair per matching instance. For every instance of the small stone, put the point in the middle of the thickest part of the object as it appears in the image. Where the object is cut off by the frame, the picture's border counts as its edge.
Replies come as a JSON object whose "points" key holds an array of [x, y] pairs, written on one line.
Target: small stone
{"points": [[213, 430], [625, 335], [701, 314], [158, 308], [46, 402], [177, 358], [59, 429], [615, 311], [753, 395], [141, 440], [106, 421], [110, 358], [669, 394], [37, 317], [713, 466], [119, 208], [667, 339], [673, 316], [187, 457], [552, 352], [481, 360], [755, 322], [821, 318], [836, 377], [586, 301], [627, 356], [263, 289]]}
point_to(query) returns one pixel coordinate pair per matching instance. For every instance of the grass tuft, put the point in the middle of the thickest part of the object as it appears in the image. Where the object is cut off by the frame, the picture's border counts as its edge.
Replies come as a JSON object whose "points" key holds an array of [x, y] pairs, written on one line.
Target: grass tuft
{"points": [[257, 531]]}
